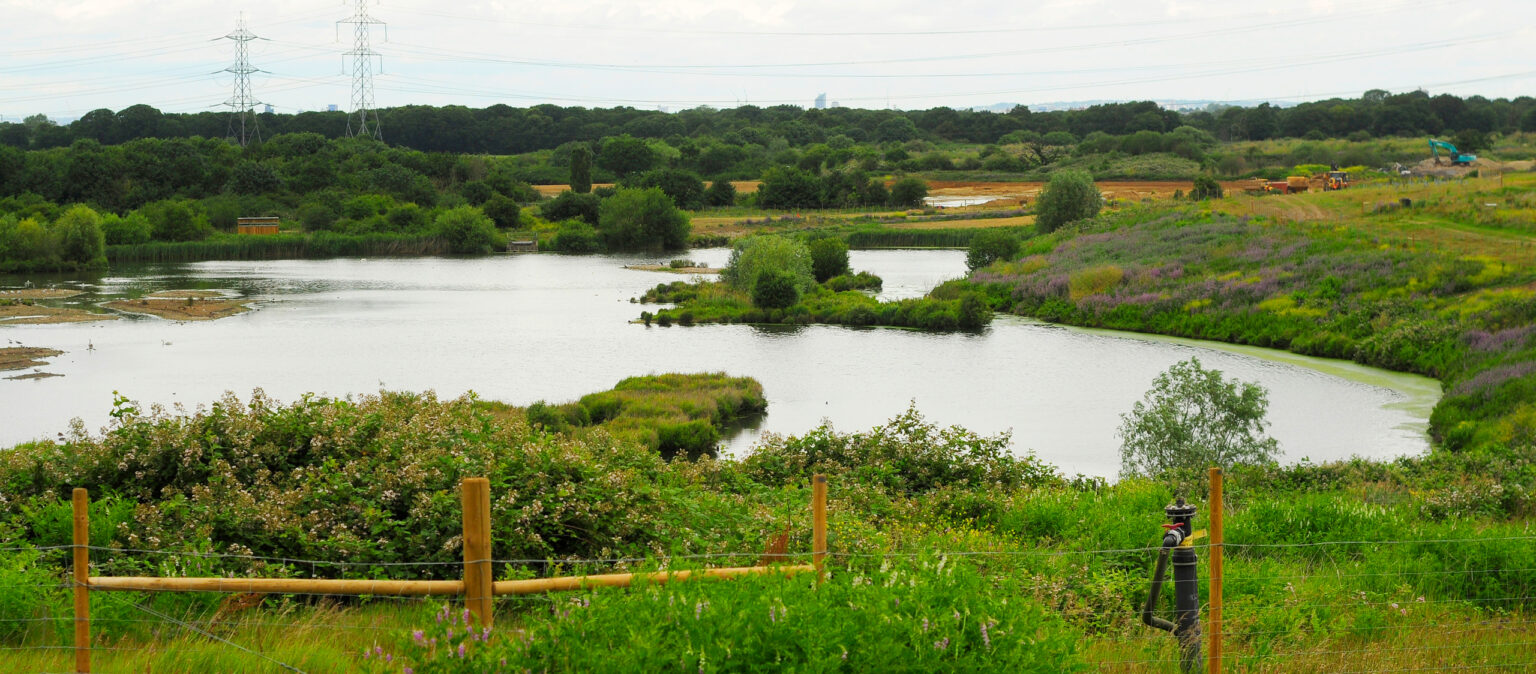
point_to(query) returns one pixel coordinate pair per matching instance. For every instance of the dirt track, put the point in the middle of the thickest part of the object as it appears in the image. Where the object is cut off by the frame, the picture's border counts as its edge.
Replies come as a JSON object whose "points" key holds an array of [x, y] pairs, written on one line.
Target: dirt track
{"points": [[1112, 189]]}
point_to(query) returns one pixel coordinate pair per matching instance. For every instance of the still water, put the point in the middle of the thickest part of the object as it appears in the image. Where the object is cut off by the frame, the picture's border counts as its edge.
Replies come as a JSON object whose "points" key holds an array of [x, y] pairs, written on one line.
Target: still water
{"points": [[521, 328]]}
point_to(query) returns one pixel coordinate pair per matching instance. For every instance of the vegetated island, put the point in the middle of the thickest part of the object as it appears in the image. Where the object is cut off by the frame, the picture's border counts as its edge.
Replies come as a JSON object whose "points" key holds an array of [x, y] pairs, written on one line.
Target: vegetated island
{"points": [[183, 305], [774, 279]]}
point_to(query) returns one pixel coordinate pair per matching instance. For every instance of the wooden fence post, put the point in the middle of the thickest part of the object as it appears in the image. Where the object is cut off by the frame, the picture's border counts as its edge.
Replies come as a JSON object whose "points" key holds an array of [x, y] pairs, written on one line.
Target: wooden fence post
{"points": [[819, 525], [477, 549], [1213, 663], [81, 502]]}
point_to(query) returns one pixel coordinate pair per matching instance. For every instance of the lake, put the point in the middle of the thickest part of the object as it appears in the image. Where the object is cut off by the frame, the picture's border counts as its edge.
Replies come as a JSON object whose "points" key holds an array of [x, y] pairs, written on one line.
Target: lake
{"points": [[521, 328]]}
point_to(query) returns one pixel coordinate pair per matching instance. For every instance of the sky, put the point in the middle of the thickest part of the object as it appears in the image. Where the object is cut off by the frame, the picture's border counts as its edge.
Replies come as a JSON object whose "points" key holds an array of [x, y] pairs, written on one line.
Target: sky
{"points": [[64, 58]]}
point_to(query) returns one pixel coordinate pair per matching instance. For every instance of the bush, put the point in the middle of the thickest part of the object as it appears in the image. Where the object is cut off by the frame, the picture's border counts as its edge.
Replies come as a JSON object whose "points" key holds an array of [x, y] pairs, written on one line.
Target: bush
{"points": [[684, 187], [1069, 196], [176, 220], [751, 256], [643, 219], [131, 229], [929, 615], [569, 205], [721, 193], [575, 236], [829, 258], [1205, 187], [774, 289], [502, 211], [991, 245], [467, 231], [909, 192]]}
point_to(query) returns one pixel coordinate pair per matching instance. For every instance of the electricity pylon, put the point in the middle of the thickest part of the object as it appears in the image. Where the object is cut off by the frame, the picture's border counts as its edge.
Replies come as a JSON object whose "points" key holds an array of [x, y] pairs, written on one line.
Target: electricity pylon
{"points": [[364, 120], [242, 104]]}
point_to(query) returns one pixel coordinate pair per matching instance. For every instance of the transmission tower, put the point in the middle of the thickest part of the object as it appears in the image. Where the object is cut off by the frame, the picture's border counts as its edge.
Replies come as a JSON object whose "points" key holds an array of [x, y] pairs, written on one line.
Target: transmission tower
{"points": [[364, 120], [242, 105]]}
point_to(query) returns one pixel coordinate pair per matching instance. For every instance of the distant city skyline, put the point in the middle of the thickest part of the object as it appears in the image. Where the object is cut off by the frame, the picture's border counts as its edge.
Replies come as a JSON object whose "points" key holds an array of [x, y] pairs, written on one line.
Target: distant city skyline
{"points": [[63, 59]]}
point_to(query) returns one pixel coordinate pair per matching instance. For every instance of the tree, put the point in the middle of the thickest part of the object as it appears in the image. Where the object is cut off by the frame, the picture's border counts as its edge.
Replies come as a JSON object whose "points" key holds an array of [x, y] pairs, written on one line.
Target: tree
{"points": [[1205, 187], [78, 232], [176, 220], [829, 258], [909, 192], [581, 169], [467, 231], [789, 188], [1193, 418], [720, 193], [991, 245], [642, 218], [625, 155], [774, 289], [1069, 196], [754, 254], [684, 187]]}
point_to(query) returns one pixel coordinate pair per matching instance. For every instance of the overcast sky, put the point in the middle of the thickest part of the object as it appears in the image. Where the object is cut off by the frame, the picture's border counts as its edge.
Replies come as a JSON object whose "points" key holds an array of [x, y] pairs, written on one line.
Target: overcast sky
{"points": [[67, 57]]}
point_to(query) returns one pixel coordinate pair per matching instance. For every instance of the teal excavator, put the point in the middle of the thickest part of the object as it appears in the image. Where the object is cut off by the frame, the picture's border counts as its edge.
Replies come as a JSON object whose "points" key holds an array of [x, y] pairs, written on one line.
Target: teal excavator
{"points": [[1455, 155]]}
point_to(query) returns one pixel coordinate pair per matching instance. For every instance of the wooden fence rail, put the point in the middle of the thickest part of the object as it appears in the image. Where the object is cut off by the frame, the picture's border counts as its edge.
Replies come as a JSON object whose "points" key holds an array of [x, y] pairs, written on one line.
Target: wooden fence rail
{"points": [[478, 586]]}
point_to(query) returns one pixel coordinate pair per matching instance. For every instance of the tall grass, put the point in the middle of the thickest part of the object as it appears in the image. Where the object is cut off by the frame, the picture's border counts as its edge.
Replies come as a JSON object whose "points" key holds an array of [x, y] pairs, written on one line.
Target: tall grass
{"points": [[279, 246]]}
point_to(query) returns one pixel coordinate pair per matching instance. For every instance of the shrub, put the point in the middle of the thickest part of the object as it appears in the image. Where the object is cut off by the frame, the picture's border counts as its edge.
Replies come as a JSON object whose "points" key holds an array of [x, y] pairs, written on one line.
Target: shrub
{"points": [[829, 258], [575, 236], [908, 192], [919, 615], [1205, 187], [502, 211], [131, 229], [721, 193], [467, 231], [774, 289], [569, 205], [1069, 196], [991, 245], [684, 187], [643, 219], [751, 256]]}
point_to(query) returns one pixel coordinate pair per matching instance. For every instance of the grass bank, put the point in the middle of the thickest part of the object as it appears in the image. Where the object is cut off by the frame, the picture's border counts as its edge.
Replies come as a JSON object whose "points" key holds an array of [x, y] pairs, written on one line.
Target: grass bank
{"points": [[946, 550], [1432, 288]]}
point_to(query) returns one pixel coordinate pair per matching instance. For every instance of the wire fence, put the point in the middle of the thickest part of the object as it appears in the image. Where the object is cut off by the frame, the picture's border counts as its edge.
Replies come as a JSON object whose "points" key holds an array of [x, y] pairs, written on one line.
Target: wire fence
{"points": [[1423, 604]]}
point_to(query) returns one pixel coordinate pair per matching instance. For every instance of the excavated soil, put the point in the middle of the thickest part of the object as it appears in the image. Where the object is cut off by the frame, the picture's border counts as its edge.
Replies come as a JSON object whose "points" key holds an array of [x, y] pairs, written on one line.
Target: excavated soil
{"points": [[183, 308], [37, 293], [20, 312]]}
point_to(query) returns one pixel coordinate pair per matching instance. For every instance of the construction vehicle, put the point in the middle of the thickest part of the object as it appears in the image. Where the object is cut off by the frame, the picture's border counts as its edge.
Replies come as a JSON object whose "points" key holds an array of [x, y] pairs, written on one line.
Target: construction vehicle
{"points": [[1337, 180], [1290, 185], [1455, 155]]}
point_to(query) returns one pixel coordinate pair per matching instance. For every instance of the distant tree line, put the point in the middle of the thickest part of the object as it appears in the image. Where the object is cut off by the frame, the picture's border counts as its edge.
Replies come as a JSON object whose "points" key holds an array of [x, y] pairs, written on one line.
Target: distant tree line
{"points": [[503, 130]]}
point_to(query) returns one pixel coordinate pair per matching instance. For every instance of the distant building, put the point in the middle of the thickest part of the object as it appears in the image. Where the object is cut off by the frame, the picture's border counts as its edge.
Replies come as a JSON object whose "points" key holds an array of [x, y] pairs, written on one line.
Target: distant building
{"points": [[269, 108], [332, 107], [257, 225], [821, 102]]}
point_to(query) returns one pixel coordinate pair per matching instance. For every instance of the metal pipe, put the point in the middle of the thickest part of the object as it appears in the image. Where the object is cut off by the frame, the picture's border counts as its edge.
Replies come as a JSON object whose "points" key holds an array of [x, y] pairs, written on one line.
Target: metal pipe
{"points": [[1186, 588]]}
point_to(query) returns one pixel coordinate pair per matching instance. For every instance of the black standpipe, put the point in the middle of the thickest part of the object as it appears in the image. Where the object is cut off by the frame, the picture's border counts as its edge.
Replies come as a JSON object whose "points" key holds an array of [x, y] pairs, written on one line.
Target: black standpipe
{"points": [[1186, 588]]}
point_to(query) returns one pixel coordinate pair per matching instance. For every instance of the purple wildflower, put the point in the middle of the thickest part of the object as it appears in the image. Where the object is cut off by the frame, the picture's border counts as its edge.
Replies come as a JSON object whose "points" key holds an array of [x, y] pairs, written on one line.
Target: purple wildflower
{"points": [[941, 645], [419, 636], [985, 639], [461, 649]]}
